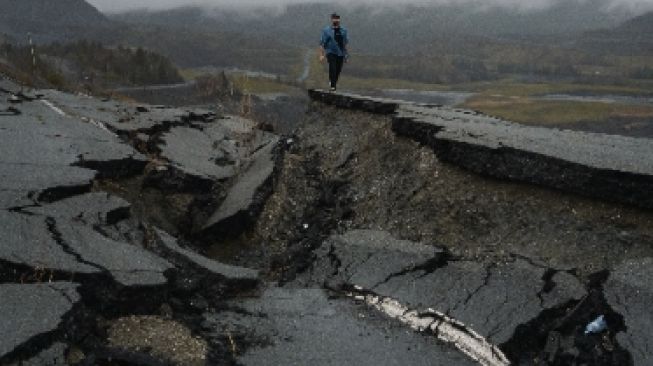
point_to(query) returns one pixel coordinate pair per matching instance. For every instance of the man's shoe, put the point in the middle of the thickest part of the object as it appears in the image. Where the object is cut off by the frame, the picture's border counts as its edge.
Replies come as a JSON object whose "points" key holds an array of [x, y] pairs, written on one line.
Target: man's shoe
{"points": [[333, 89]]}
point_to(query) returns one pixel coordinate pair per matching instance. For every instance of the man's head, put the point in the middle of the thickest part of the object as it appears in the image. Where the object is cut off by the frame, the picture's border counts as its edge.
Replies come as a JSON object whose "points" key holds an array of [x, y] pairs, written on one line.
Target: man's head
{"points": [[335, 19]]}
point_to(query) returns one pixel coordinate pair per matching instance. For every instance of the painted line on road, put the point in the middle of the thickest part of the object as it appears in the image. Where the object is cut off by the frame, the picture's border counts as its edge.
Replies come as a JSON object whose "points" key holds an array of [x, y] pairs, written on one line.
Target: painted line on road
{"points": [[440, 325], [54, 107]]}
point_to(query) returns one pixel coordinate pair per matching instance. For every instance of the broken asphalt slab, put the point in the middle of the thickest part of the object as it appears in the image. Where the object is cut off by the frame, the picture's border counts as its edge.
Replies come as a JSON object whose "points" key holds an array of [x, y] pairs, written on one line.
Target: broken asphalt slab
{"points": [[204, 154], [27, 184], [64, 246], [214, 151], [44, 155], [239, 275], [95, 208], [305, 326], [597, 165], [122, 117], [493, 299], [628, 291], [41, 136], [32, 310], [247, 195]]}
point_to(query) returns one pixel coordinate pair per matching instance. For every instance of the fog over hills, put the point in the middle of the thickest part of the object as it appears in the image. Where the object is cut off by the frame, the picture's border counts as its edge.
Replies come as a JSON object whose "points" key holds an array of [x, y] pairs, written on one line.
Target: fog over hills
{"points": [[49, 20], [391, 28], [113, 6], [273, 37]]}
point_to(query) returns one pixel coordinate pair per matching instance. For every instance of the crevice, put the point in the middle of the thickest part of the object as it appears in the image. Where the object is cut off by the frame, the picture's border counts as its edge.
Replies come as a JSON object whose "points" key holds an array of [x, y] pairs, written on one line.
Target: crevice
{"points": [[556, 336], [110, 356], [54, 194], [440, 260], [58, 238], [548, 286], [471, 294], [113, 169], [11, 272], [335, 261]]}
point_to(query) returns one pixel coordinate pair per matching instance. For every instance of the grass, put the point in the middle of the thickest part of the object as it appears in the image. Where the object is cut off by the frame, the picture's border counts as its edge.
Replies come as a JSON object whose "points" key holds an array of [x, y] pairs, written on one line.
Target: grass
{"points": [[254, 85], [511, 88], [259, 85], [508, 98], [319, 78], [540, 112]]}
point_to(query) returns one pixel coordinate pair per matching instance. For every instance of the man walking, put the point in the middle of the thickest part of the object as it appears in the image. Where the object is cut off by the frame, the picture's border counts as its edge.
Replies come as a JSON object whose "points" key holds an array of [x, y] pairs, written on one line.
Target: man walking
{"points": [[333, 43]]}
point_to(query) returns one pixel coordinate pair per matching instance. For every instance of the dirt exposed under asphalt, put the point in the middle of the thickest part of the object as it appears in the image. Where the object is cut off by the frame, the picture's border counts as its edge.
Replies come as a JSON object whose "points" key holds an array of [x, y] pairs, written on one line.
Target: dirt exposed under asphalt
{"points": [[347, 170], [344, 170]]}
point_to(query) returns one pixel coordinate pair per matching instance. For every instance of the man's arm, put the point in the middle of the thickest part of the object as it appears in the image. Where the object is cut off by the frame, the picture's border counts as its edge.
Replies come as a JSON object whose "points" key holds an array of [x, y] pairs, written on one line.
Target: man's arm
{"points": [[321, 51]]}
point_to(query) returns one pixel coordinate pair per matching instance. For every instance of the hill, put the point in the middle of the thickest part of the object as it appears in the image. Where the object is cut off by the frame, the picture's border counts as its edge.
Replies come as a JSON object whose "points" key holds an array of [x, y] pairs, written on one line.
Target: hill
{"points": [[631, 38], [49, 20], [410, 26]]}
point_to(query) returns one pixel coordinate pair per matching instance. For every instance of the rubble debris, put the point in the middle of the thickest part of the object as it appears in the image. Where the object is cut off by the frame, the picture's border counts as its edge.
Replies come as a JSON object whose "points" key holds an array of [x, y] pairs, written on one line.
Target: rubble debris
{"points": [[244, 277], [246, 197], [598, 325]]}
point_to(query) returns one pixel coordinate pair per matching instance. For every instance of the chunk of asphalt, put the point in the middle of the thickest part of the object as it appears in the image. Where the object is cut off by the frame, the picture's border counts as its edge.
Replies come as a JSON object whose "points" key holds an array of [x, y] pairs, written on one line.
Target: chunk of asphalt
{"points": [[44, 180], [41, 136], [43, 244], [305, 326], [590, 164], [27, 240], [197, 152], [123, 117], [128, 264], [493, 299], [247, 194], [369, 257], [31, 310], [629, 292], [90, 208], [223, 271]]}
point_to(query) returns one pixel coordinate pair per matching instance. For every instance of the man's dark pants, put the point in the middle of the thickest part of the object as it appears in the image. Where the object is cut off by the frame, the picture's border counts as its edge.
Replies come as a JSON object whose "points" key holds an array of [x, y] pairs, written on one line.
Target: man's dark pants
{"points": [[335, 67]]}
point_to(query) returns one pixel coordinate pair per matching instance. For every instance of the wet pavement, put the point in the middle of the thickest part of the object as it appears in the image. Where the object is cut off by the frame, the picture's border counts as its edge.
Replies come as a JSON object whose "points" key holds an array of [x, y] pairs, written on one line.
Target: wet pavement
{"points": [[592, 164], [108, 211]]}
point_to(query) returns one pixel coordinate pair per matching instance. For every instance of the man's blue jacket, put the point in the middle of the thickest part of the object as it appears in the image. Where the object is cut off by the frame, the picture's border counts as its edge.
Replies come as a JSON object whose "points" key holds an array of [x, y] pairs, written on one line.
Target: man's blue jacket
{"points": [[328, 41]]}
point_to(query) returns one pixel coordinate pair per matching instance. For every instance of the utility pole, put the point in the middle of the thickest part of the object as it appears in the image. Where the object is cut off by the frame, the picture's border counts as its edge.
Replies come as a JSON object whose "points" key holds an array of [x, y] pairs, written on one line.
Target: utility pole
{"points": [[246, 102], [33, 53]]}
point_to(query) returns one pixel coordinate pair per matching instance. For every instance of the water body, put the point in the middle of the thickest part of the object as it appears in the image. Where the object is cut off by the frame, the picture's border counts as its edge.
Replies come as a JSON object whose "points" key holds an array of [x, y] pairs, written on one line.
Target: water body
{"points": [[617, 99]]}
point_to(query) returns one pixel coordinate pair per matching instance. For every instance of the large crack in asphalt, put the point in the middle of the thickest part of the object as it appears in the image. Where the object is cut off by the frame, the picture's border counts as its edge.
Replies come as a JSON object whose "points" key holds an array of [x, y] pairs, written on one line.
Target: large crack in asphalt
{"points": [[345, 210], [545, 308]]}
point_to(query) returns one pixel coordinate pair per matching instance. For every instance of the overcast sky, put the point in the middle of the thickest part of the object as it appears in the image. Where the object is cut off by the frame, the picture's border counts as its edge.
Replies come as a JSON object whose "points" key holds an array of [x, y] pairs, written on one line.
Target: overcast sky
{"points": [[121, 5]]}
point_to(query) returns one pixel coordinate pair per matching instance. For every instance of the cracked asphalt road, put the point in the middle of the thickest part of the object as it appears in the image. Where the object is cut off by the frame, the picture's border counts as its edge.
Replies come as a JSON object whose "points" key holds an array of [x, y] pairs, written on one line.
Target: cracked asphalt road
{"points": [[131, 228]]}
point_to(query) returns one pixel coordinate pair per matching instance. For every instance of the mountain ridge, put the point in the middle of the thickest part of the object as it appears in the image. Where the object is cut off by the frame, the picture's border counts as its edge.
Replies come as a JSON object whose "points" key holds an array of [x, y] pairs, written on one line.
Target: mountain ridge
{"points": [[49, 20]]}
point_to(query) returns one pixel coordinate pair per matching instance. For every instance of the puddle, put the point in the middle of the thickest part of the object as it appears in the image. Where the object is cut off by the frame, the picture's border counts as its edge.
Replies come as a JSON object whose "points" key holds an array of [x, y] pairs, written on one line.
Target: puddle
{"points": [[619, 99]]}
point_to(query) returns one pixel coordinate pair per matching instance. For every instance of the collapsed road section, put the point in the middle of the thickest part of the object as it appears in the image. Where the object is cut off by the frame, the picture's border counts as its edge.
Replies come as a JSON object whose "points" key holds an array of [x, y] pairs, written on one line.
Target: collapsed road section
{"points": [[89, 274], [148, 235], [597, 165]]}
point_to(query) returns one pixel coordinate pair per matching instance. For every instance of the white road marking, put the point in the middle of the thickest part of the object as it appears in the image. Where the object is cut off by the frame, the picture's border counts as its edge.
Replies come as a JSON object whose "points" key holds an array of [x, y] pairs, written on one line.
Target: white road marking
{"points": [[54, 107], [438, 324]]}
